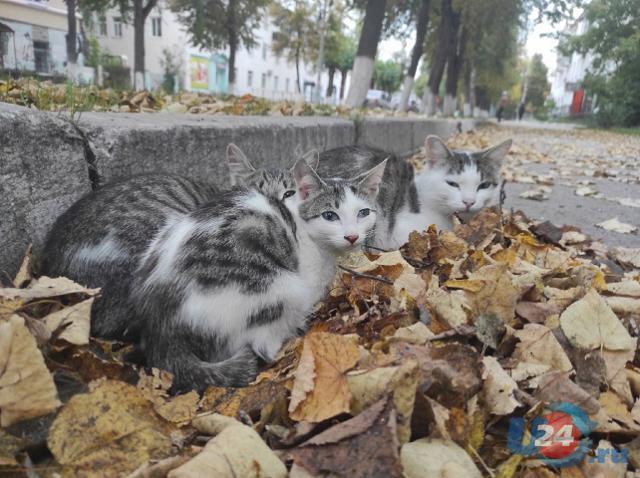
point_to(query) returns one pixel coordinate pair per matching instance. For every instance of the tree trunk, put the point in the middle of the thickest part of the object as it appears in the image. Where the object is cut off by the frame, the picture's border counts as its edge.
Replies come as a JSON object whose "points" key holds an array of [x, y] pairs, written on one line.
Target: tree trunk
{"points": [[232, 33], [298, 68], [332, 72], [72, 40], [468, 105], [324, 10], [454, 65], [439, 58], [343, 82], [365, 57], [140, 14], [418, 47]]}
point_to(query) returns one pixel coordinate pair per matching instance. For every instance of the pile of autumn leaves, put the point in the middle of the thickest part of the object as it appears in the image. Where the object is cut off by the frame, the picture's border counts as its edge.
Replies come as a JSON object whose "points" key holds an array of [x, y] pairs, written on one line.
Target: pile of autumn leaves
{"points": [[413, 365], [49, 96]]}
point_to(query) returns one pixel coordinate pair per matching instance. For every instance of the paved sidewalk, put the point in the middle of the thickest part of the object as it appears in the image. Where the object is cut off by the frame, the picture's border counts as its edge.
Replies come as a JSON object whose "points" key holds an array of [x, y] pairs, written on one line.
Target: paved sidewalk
{"points": [[572, 159]]}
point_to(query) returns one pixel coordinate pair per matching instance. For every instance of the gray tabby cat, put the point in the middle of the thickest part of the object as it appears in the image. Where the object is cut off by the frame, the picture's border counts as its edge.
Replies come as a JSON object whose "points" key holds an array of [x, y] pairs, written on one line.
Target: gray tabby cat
{"points": [[450, 182], [236, 277], [100, 240]]}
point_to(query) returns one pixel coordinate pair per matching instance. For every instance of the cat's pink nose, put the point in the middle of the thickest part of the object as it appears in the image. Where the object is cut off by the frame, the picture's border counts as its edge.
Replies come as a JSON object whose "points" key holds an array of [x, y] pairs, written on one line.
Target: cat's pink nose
{"points": [[352, 238], [469, 203]]}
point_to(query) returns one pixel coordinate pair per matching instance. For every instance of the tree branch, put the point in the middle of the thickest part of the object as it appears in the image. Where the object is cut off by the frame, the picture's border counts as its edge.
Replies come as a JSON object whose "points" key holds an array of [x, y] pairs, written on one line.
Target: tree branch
{"points": [[146, 10]]}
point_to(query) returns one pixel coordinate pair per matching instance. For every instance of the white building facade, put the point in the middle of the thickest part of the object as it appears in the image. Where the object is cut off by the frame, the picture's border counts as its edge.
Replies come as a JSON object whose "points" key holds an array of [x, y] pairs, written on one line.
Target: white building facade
{"points": [[258, 70], [567, 88], [33, 36]]}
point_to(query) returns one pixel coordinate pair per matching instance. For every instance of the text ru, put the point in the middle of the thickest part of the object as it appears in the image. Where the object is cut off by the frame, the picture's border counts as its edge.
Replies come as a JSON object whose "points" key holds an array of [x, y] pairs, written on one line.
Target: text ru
{"points": [[615, 455]]}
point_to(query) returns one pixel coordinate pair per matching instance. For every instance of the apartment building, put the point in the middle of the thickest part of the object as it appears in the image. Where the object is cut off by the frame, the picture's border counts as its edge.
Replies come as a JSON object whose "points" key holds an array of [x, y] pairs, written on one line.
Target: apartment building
{"points": [[567, 79], [258, 70], [33, 36]]}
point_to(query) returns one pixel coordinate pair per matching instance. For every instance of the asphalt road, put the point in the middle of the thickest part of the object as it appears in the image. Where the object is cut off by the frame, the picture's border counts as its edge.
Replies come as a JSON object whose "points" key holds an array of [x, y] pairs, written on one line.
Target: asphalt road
{"points": [[569, 156]]}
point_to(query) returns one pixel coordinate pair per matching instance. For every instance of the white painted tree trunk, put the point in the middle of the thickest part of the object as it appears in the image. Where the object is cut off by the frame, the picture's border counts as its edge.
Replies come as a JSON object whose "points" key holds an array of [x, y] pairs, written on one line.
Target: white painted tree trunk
{"points": [[467, 110], [428, 102], [231, 89], [138, 81], [407, 85], [449, 106], [360, 81], [72, 72]]}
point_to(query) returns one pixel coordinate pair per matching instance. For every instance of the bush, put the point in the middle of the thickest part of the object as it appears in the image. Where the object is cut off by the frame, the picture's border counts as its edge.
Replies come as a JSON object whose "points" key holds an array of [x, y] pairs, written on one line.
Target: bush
{"points": [[617, 100]]}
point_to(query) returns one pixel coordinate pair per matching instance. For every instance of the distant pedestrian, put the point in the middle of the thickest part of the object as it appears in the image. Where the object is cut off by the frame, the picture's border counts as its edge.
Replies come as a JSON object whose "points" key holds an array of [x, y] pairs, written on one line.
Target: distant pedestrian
{"points": [[504, 99], [521, 109]]}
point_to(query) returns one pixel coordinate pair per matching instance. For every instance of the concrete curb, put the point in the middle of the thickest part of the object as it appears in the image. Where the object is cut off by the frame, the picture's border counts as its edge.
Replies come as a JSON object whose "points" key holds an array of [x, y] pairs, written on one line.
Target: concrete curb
{"points": [[47, 162]]}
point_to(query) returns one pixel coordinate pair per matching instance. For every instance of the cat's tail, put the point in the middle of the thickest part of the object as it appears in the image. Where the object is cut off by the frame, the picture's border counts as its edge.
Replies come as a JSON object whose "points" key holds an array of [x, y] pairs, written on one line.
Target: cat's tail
{"points": [[193, 374]]}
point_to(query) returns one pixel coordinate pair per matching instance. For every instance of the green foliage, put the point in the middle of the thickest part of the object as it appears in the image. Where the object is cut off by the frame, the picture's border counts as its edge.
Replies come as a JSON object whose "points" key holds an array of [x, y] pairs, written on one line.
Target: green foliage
{"points": [[295, 26], [340, 48], [538, 85], [209, 22], [95, 54], [171, 64], [492, 46], [387, 75], [613, 38]]}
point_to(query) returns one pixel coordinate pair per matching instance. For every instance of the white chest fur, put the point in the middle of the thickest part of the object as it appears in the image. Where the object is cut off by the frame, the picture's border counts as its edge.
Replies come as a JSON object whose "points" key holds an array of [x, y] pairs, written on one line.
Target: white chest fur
{"points": [[225, 312]]}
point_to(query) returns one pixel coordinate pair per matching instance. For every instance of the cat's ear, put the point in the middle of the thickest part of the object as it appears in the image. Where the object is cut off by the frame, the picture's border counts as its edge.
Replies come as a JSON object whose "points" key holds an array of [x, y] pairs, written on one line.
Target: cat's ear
{"points": [[311, 157], [306, 179], [436, 150], [369, 185], [240, 168], [497, 153]]}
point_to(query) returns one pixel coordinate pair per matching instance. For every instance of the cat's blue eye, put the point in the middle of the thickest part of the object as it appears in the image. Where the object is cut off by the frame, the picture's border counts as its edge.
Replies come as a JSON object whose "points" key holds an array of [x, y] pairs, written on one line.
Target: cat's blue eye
{"points": [[364, 212], [288, 194], [453, 184], [485, 185], [330, 216]]}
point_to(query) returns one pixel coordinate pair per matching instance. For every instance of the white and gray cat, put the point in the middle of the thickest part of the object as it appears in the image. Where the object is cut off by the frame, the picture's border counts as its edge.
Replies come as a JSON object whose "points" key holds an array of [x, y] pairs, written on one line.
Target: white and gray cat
{"points": [[450, 182], [235, 278], [211, 280]]}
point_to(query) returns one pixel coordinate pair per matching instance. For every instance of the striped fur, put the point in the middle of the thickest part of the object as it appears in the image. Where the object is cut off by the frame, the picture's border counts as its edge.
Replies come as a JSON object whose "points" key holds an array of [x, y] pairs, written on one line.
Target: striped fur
{"points": [[240, 274], [409, 202]]}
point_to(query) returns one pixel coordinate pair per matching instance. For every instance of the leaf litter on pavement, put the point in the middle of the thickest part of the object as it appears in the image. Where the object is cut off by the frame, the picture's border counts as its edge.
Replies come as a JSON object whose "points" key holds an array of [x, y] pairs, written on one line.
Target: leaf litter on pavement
{"points": [[413, 365]]}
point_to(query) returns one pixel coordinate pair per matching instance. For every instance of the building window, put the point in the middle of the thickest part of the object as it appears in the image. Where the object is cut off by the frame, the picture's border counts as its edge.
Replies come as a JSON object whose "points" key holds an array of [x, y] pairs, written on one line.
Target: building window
{"points": [[264, 81], [102, 26], [275, 83], [249, 77], [264, 51], [117, 27], [286, 85], [156, 26], [41, 56]]}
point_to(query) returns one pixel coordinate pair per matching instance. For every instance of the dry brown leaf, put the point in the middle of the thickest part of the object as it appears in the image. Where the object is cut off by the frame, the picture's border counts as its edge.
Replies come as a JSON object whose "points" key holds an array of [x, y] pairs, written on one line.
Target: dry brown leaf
{"points": [[437, 458], [499, 388], [629, 288], [47, 287], [590, 323], [304, 377], [539, 345], [24, 272], [333, 356], [237, 450], [26, 386], [627, 255], [449, 306], [110, 431], [401, 382], [365, 445], [498, 296], [73, 321], [616, 226]]}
